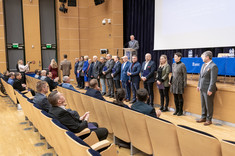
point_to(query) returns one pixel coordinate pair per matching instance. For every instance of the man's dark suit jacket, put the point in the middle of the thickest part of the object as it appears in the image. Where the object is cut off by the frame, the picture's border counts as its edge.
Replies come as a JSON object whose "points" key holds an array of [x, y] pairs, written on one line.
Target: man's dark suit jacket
{"points": [[135, 71], [42, 102], [68, 119], [144, 108], [94, 93], [18, 85], [117, 71], [149, 70], [96, 69], [51, 83]]}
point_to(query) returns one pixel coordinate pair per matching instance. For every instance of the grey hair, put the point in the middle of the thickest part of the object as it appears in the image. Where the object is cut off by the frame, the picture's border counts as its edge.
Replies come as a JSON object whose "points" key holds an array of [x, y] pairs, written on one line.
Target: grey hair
{"points": [[65, 78], [208, 53]]}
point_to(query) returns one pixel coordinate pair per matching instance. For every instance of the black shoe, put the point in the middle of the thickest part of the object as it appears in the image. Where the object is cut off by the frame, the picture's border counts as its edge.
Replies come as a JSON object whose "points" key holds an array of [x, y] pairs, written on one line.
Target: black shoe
{"points": [[112, 96], [161, 108], [180, 113], [107, 95], [165, 109], [133, 101], [103, 94], [176, 112]]}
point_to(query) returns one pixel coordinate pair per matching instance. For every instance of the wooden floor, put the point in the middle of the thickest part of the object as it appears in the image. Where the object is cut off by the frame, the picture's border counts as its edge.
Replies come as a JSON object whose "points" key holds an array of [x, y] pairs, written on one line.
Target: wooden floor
{"points": [[19, 139]]}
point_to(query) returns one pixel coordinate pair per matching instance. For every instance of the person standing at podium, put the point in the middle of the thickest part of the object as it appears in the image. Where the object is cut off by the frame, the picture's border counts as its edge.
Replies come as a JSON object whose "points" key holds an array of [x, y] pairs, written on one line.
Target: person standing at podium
{"points": [[134, 44], [207, 87]]}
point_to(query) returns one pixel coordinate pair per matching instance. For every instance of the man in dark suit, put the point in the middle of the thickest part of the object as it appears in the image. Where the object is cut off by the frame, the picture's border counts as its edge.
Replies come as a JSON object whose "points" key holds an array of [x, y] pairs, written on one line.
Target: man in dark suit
{"points": [[107, 70], [133, 72], [134, 44], [96, 69], [94, 90], [52, 83], [142, 107], [116, 72], [147, 75], [40, 98], [125, 78], [70, 118], [207, 87], [75, 70], [18, 84], [65, 66]]}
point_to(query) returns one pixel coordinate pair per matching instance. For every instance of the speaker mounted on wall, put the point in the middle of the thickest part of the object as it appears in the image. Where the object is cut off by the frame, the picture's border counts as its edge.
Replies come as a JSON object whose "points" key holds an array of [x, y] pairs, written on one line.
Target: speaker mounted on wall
{"points": [[72, 3], [98, 2]]}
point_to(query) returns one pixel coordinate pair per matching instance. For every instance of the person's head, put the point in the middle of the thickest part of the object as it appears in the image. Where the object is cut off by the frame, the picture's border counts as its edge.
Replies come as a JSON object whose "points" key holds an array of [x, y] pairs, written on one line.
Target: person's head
{"points": [[76, 60], [148, 57], [102, 59], [177, 57], [120, 94], [95, 58], [163, 59], [53, 63], [37, 72], [56, 99], [20, 62], [12, 75], [42, 87], [207, 56], [82, 58], [108, 56], [86, 58], [65, 56], [142, 95], [125, 58], [89, 61], [115, 58], [6, 73], [134, 58], [43, 73], [132, 37], [66, 79], [49, 74], [94, 84], [18, 76]]}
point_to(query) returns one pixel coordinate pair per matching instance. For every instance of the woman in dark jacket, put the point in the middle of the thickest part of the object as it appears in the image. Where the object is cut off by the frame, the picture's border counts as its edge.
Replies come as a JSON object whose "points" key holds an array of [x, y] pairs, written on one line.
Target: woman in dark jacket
{"points": [[81, 75], [163, 81], [178, 83]]}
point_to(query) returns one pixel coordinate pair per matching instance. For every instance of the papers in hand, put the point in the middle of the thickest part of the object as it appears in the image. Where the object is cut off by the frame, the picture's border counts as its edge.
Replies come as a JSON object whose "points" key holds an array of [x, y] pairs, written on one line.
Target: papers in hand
{"points": [[160, 86]]}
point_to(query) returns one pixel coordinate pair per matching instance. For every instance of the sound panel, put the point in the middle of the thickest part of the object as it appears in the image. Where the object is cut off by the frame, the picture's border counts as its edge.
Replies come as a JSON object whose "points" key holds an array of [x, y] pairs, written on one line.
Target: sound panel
{"points": [[72, 3]]}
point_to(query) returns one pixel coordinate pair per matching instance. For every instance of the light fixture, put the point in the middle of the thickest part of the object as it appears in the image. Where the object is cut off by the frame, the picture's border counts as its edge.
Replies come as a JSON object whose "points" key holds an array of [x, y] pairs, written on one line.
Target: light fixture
{"points": [[104, 21]]}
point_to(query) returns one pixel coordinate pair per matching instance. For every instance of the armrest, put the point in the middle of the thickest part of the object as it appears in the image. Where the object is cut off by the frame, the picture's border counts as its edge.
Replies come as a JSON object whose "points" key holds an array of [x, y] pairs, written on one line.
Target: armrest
{"points": [[32, 97], [83, 132], [99, 145]]}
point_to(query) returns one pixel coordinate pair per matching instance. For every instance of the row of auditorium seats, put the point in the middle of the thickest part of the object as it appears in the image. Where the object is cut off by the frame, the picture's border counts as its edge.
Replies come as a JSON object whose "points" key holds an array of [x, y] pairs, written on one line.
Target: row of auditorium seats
{"points": [[150, 135]]}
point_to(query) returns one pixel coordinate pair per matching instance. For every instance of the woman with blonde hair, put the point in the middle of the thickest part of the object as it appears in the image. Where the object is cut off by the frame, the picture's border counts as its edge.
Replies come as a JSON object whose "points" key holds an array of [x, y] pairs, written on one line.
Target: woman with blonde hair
{"points": [[23, 69], [163, 81], [53, 68]]}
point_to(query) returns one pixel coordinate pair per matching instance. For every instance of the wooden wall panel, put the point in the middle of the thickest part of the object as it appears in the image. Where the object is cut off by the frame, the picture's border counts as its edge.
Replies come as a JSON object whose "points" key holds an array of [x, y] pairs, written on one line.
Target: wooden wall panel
{"points": [[3, 63]]}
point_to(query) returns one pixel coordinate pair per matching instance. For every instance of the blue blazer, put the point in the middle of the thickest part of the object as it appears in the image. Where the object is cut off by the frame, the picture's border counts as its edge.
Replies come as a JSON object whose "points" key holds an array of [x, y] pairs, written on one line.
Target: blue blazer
{"points": [[68, 86], [149, 72], [135, 71], [116, 71], [95, 94], [124, 76], [85, 66]]}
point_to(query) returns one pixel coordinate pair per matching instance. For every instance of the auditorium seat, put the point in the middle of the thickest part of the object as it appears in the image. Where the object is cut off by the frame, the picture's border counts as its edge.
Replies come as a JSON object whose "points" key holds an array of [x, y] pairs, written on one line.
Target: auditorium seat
{"points": [[194, 142], [163, 138], [102, 115], [138, 131], [10, 91], [228, 148], [87, 103], [78, 103], [117, 120]]}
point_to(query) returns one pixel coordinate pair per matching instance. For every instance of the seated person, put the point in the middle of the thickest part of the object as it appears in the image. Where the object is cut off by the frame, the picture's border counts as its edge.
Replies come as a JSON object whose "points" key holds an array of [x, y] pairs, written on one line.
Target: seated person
{"points": [[11, 78], [120, 97], [66, 83], [71, 119], [19, 85], [43, 75], [142, 107], [37, 74], [94, 90], [52, 83], [40, 98], [6, 75]]}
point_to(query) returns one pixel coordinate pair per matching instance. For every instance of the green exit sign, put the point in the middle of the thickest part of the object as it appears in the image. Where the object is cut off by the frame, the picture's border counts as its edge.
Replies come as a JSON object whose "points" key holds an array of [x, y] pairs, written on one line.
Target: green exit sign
{"points": [[48, 46], [15, 45]]}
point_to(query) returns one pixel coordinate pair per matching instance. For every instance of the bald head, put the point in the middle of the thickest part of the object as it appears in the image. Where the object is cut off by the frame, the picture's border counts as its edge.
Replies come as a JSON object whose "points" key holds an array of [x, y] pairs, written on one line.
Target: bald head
{"points": [[108, 56], [125, 58], [148, 57]]}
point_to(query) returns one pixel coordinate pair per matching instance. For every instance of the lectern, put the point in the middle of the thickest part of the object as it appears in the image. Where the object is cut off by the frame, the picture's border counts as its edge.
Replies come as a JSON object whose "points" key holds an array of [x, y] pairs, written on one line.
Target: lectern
{"points": [[129, 52]]}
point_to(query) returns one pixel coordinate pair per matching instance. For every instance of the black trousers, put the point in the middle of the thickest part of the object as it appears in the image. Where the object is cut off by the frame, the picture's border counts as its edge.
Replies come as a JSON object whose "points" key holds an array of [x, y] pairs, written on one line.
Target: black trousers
{"points": [[164, 93], [101, 133], [179, 101], [149, 87], [117, 84], [81, 82]]}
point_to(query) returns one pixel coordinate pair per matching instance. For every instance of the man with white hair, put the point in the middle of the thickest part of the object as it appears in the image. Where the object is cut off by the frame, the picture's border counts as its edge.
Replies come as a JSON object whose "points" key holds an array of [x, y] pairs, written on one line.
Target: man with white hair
{"points": [[96, 69], [134, 44], [43, 75], [66, 83]]}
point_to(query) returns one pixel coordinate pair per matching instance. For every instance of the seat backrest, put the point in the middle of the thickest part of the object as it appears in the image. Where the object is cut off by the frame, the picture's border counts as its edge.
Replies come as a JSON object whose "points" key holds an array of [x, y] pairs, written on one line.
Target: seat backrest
{"points": [[46, 129], [70, 99], [163, 135], [87, 103], [138, 131], [117, 120], [228, 148], [194, 142], [78, 103], [102, 115]]}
